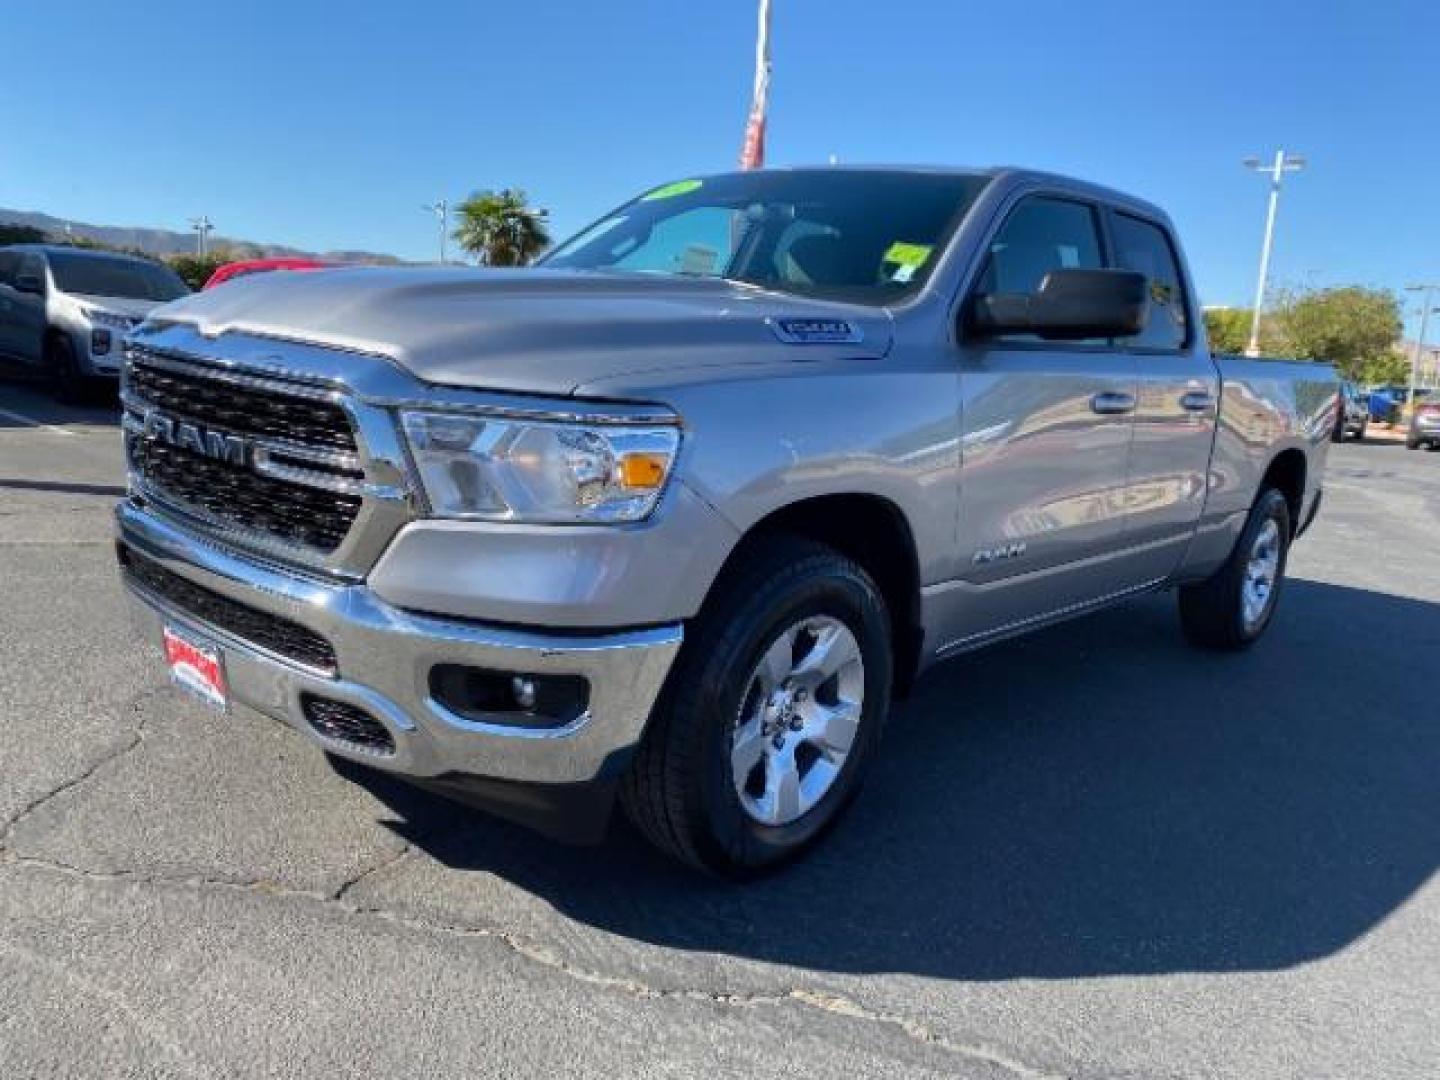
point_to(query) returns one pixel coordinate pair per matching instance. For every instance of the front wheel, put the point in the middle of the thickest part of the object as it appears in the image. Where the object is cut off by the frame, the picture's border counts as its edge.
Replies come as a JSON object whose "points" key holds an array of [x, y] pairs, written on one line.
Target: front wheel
{"points": [[769, 720], [65, 378], [1232, 609]]}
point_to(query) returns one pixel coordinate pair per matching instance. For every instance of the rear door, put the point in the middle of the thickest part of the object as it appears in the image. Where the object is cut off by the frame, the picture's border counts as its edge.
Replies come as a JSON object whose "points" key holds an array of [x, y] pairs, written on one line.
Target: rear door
{"points": [[1178, 404], [1045, 437]]}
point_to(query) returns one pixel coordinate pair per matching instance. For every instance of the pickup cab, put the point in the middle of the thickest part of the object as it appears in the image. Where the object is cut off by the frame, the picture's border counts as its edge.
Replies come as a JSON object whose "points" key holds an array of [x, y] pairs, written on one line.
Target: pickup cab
{"points": [[673, 516]]}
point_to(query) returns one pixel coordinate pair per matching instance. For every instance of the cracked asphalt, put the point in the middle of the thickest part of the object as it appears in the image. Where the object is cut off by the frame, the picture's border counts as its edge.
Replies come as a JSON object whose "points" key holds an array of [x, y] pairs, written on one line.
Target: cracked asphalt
{"points": [[1090, 853]]}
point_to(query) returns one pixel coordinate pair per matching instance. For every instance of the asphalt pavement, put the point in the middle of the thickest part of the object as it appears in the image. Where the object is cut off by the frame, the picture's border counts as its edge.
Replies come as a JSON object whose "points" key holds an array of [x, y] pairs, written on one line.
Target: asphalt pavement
{"points": [[1093, 852]]}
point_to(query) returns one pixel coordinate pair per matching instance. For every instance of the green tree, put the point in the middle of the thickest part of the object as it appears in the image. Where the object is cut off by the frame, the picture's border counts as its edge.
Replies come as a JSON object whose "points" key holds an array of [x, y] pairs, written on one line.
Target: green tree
{"points": [[1349, 327], [501, 229], [1228, 329], [1388, 369], [195, 270], [10, 233]]}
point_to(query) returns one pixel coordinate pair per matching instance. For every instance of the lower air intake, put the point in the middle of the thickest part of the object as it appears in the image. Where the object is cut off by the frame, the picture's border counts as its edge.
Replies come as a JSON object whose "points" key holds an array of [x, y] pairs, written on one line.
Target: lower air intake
{"points": [[348, 724]]}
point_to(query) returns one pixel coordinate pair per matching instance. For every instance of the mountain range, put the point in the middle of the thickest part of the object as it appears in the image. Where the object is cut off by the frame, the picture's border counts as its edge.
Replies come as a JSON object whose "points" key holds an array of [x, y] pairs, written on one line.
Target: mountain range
{"points": [[169, 242]]}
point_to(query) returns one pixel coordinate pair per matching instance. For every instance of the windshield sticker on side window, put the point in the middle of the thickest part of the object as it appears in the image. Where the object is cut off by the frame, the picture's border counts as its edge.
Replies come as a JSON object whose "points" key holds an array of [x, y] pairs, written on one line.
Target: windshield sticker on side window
{"points": [[669, 191], [697, 260], [902, 260]]}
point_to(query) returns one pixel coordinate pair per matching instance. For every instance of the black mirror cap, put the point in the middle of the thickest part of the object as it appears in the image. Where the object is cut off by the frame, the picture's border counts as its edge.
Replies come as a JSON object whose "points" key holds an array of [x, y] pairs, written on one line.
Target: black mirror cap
{"points": [[29, 283], [1070, 305]]}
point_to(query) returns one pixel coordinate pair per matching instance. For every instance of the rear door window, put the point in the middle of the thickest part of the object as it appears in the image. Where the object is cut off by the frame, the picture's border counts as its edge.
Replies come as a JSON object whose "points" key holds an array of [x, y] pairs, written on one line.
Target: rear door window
{"points": [[1143, 246]]}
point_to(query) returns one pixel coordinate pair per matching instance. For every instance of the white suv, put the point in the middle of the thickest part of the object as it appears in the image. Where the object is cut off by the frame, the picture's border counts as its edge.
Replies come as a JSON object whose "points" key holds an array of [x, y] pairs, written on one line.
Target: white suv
{"points": [[64, 310]]}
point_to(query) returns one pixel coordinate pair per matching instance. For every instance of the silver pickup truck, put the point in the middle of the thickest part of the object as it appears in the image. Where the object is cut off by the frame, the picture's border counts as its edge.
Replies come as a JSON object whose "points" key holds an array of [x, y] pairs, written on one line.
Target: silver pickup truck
{"points": [[675, 515]]}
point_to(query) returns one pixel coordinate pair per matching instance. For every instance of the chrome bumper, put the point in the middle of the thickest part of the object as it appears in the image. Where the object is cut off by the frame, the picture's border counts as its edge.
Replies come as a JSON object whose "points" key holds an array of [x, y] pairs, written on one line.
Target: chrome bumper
{"points": [[384, 656]]}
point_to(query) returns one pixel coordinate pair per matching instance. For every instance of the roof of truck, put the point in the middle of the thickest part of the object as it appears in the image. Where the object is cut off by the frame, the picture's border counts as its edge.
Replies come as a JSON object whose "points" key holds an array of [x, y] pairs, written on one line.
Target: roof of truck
{"points": [[1011, 173]]}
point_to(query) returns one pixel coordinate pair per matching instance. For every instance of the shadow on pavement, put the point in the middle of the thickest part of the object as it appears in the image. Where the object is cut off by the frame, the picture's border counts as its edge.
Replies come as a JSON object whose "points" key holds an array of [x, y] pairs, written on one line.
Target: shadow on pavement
{"points": [[117, 491], [31, 400], [1097, 799]]}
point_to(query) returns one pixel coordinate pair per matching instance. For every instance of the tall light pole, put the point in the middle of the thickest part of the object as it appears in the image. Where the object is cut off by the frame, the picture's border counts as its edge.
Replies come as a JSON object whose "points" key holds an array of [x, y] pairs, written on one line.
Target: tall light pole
{"points": [[202, 226], [1427, 302], [1276, 170], [752, 150], [441, 209]]}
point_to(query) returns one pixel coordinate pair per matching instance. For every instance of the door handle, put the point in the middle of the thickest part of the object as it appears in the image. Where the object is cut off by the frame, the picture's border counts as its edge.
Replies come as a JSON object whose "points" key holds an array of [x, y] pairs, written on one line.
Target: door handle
{"points": [[1196, 401], [1112, 403]]}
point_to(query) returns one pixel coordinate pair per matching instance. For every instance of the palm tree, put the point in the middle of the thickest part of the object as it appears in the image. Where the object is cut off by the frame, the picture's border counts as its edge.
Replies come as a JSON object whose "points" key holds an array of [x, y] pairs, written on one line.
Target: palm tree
{"points": [[500, 229]]}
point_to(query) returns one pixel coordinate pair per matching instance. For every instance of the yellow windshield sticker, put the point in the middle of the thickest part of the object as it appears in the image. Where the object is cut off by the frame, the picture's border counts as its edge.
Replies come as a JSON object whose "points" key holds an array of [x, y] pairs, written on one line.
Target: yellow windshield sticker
{"points": [[913, 255], [669, 191]]}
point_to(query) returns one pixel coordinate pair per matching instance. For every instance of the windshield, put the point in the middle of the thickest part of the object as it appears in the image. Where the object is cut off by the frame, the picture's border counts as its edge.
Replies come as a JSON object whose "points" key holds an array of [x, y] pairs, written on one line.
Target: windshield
{"points": [[868, 236], [128, 279]]}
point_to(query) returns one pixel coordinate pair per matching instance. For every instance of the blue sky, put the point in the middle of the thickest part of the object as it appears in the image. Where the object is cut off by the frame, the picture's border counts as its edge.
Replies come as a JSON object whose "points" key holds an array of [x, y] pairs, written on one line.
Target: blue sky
{"points": [[327, 125]]}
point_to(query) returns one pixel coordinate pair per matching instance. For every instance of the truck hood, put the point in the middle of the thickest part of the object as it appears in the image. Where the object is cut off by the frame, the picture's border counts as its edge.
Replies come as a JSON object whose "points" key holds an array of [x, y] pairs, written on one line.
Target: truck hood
{"points": [[121, 305], [528, 331]]}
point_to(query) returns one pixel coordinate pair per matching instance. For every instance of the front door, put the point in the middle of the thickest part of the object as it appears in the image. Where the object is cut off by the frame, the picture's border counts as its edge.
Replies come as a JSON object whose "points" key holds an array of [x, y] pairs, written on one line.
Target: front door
{"points": [[1045, 440]]}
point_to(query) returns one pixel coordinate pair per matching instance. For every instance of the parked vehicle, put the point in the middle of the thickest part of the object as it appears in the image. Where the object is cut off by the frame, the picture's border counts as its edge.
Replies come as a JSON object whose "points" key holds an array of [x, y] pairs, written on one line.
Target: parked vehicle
{"points": [[676, 514], [1383, 405], [1389, 403], [246, 267], [1424, 426], [1353, 416], [64, 310]]}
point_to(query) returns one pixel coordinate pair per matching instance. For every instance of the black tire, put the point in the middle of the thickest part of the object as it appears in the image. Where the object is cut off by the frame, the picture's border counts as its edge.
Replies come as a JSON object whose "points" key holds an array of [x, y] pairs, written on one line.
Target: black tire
{"points": [[1212, 613], [679, 791], [1364, 427], [1412, 444], [66, 382]]}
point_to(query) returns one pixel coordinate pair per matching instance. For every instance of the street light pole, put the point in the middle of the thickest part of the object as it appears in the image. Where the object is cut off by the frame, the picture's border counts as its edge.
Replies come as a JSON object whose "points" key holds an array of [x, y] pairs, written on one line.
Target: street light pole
{"points": [[202, 226], [1281, 165], [441, 209], [1427, 292]]}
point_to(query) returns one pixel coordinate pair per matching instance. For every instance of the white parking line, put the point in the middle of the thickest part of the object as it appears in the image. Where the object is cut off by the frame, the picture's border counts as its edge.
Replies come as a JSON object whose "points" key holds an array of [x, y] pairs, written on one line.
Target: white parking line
{"points": [[29, 422]]}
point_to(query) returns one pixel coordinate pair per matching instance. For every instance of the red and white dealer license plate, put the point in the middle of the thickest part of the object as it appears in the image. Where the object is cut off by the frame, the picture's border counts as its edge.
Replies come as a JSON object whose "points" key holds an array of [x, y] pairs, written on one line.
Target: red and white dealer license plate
{"points": [[197, 669]]}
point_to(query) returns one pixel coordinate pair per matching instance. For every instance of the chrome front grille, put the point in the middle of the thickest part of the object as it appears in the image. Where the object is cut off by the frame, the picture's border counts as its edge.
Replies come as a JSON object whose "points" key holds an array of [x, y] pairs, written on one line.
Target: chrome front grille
{"points": [[238, 407], [259, 459]]}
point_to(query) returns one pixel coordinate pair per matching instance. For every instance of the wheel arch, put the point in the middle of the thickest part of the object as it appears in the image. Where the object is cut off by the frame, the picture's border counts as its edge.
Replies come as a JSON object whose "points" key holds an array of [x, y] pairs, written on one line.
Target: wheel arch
{"points": [[874, 532], [1288, 473]]}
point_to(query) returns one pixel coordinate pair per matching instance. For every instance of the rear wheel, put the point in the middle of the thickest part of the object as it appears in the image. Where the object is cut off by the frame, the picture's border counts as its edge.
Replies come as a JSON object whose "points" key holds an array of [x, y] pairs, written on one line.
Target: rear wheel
{"points": [[66, 381], [1232, 609], [769, 720]]}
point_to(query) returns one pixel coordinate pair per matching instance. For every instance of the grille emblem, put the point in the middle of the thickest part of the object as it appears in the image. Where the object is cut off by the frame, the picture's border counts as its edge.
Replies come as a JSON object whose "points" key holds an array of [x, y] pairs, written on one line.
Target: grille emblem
{"points": [[187, 436]]}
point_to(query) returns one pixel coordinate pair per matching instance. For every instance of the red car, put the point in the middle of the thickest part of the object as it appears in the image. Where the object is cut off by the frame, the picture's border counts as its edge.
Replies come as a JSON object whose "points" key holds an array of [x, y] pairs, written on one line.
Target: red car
{"points": [[260, 266]]}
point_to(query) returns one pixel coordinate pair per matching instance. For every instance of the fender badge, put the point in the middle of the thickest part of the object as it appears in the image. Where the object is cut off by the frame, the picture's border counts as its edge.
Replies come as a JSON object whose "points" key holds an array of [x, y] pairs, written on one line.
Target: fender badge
{"points": [[816, 331]]}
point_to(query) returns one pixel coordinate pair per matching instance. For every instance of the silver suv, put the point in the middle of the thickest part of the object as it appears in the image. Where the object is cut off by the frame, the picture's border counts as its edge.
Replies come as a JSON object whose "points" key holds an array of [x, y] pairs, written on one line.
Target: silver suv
{"points": [[64, 310]]}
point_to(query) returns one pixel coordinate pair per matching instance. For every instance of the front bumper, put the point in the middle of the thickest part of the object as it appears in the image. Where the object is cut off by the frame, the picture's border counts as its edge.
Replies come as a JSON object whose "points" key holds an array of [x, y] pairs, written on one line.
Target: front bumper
{"points": [[383, 659]]}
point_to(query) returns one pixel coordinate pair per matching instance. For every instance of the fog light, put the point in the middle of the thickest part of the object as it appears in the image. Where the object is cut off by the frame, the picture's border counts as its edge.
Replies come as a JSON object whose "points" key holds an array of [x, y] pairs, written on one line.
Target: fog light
{"points": [[524, 691], [99, 342], [509, 698]]}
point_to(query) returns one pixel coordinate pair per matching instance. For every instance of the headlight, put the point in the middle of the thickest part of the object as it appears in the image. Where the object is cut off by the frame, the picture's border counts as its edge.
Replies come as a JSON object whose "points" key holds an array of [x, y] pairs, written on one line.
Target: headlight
{"points": [[539, 471], [101, 317]]}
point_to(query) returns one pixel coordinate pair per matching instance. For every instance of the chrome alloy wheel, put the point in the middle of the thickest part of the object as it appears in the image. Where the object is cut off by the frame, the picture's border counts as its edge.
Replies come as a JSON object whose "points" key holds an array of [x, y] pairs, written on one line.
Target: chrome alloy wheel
{"points": [[797, 720], [1262, 571]]}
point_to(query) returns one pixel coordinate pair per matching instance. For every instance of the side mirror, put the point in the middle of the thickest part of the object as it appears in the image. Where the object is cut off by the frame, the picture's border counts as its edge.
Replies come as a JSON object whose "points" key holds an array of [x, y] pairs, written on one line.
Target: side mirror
{"points": [[1070, 305], [29, 283]]}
